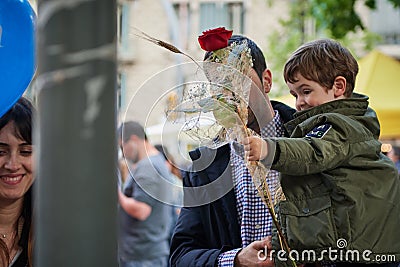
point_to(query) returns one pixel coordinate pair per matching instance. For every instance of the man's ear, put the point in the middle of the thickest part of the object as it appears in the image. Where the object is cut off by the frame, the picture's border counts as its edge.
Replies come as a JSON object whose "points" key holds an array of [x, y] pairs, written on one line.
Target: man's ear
{"points": [[339, 86], [267, 80]]}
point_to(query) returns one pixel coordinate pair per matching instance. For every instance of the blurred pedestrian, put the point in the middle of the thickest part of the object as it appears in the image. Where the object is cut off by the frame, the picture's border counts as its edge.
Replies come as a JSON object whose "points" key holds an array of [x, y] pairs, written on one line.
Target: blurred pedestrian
{"points": [[176, 187], [144, 217], [394, 155], [176, 176], [124, 168]]}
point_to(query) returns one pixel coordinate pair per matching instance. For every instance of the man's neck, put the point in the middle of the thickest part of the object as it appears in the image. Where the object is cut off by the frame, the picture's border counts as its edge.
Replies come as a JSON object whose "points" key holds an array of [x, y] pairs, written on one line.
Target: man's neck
{"points": [[147, 150]]}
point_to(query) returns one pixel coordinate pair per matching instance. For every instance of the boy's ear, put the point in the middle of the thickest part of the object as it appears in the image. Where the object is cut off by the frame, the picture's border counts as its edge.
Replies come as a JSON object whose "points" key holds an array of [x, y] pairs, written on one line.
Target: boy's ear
{"points": [[339, 86], [267, 80]]}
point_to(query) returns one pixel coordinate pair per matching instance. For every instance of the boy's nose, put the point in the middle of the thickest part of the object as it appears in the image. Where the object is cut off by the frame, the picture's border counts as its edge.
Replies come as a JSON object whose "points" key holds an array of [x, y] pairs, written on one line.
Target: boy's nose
{"points": [[299, 102]]}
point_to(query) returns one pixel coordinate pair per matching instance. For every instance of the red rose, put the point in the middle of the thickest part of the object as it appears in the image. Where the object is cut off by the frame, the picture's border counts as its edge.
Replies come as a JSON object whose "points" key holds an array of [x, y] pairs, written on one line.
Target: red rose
{"points": [[215, 39]]}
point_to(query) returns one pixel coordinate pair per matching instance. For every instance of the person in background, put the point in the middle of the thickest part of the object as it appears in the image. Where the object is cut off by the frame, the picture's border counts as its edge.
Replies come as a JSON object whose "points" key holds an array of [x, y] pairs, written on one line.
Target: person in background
{"points": [[232, 230], [176, 176], [16, 179], [144, 216], [394, 155], [177, 191], [123, 169], [337, 183]]}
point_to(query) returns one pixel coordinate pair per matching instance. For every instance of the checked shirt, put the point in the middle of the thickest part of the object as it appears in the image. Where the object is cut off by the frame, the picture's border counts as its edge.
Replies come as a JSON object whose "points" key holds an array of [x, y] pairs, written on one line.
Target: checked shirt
{"points": [[254, 218]]}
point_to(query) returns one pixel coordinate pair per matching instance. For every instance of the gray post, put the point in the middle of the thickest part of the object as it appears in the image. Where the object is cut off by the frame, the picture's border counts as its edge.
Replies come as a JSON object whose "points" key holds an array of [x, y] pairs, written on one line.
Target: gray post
{"points": [[75, 196]]}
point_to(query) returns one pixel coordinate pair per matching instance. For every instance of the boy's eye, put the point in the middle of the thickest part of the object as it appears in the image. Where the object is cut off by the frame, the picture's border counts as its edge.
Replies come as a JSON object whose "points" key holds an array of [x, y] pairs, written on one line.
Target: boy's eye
{"points": [[306, 91], [293, 94], [3, 152]]}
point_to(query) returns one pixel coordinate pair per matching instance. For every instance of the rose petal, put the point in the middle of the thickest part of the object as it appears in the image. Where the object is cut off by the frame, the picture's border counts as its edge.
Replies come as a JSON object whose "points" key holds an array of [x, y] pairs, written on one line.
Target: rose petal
{"points": [[214, 39]]}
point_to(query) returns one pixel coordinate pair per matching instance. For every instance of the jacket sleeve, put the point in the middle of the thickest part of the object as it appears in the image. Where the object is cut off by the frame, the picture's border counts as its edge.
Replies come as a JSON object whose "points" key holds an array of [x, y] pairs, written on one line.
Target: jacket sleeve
{"points": [[317, 151], [188, 245]]}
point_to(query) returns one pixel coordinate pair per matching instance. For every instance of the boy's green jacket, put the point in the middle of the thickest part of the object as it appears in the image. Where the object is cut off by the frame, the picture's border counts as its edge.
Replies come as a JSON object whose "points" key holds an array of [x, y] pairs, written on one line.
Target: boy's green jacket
{"points": [[342, 194]]}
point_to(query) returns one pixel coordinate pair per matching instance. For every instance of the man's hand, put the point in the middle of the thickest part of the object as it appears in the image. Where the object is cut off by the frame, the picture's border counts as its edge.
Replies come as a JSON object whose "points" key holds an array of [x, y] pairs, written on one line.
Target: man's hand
{"points": [[133, 207], [255, 148], [254, 254]]}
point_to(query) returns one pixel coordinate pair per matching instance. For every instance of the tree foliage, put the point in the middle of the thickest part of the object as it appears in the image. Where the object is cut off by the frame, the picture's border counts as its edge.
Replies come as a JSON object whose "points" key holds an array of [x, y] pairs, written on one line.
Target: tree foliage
{"points": [[311, 19], [339, 16]]}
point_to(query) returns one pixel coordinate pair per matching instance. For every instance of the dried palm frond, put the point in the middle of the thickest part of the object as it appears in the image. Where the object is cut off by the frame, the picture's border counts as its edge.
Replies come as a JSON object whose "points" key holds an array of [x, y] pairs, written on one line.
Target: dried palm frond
{"points": [[164, 44]]}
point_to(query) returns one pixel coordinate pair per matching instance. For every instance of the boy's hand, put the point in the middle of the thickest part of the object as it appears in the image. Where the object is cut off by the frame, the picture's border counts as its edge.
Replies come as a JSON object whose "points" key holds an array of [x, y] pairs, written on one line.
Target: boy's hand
{"points": [[255, 148]]}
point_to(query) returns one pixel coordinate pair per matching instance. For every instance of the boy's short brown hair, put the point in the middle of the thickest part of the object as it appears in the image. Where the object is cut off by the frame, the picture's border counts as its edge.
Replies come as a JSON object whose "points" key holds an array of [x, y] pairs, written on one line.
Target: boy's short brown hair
{"points": [[322, 61]]}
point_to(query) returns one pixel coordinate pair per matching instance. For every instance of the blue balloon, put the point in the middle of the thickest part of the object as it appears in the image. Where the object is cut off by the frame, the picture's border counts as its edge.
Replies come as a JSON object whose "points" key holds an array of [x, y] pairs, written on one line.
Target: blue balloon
{"points": [[17, 50]]}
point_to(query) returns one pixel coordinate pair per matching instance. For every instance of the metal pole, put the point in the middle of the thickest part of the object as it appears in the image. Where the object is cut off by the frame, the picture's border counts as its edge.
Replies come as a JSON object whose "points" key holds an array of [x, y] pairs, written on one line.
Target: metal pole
{"points": [[75, 196]]}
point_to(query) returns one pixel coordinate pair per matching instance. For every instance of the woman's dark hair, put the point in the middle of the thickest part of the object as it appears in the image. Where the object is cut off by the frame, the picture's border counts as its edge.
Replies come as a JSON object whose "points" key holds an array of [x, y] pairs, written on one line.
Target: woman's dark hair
{"points": [[259, 64], [21, 115]]}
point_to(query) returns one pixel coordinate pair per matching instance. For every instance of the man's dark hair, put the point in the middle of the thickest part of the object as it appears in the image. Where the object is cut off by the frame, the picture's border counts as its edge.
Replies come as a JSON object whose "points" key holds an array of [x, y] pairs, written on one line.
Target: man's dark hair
{"points": [[259, 64], [129, 128]]}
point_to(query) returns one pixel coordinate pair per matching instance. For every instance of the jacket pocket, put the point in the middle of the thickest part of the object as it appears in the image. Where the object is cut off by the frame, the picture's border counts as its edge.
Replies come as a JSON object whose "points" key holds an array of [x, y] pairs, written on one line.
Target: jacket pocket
{"points": [[308, 223]]}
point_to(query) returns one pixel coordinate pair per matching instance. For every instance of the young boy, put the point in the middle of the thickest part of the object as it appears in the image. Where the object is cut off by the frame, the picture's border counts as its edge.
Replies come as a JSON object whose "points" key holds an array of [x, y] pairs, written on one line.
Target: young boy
{"points": [[341, 193]]}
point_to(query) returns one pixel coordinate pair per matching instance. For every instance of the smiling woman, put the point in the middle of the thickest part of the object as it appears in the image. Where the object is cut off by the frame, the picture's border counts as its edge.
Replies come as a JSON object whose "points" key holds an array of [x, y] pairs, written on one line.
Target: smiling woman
{"points": [[16, 180]]}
